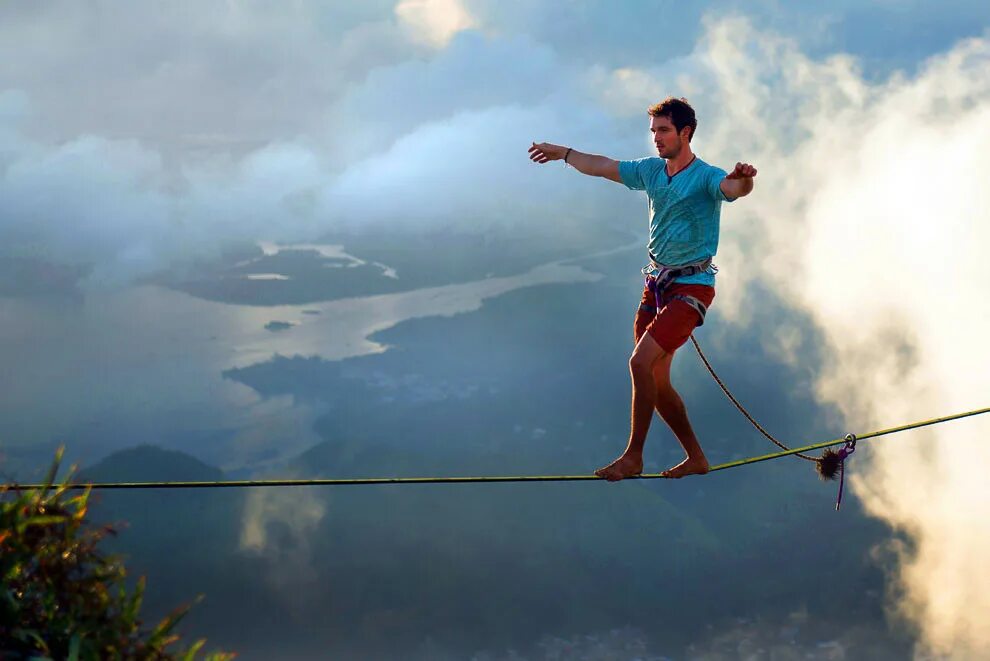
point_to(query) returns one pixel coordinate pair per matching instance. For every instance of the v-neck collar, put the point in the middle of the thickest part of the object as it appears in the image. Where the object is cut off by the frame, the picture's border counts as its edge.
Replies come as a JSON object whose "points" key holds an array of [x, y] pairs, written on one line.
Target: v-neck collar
{"points": [[670, 177]]}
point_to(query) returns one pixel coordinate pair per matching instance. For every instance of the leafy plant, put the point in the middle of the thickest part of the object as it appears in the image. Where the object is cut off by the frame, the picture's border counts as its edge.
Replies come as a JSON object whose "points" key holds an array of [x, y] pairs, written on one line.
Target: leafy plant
{"points": [[61, 598]]}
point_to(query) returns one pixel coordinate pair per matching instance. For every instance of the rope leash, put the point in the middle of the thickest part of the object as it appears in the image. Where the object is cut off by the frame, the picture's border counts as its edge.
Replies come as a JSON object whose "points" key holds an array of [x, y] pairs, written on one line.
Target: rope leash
{"points": [[829, 464], [739, 406]]}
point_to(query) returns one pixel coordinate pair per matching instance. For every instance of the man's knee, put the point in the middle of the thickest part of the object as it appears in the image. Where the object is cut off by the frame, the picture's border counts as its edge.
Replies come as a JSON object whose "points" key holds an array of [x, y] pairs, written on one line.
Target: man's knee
{"points": [[646, 366], [640, 365]]}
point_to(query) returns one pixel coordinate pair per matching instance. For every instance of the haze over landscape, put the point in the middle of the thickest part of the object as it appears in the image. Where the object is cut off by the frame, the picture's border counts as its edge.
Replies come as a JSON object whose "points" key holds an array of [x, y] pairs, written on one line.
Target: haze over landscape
{"points": [[247, 241]]}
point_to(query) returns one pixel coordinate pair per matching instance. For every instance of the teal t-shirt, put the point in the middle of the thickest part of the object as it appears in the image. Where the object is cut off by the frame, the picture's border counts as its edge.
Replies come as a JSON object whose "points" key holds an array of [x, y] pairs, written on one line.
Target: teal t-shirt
{"points": [[684, 211]]}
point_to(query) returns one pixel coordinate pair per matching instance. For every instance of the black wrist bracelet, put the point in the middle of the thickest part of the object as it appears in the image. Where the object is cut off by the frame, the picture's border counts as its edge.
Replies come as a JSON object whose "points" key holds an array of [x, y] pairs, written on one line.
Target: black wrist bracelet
{"points": [[567, 154]]}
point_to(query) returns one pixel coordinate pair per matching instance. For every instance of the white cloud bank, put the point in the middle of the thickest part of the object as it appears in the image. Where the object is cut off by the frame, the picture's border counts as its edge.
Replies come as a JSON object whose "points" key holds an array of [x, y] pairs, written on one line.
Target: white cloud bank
{"points": [[428, 143], [870, 215]]}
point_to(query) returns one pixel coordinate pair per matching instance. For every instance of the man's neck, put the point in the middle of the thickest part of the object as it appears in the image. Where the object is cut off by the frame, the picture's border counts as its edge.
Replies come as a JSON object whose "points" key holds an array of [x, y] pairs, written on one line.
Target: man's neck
{"points": [[679, 162]]}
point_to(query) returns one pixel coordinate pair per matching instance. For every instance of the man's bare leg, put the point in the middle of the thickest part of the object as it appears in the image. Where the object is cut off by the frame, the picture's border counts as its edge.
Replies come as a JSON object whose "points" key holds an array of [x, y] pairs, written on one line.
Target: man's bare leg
{"points": [[671, 408], [644, 400]]}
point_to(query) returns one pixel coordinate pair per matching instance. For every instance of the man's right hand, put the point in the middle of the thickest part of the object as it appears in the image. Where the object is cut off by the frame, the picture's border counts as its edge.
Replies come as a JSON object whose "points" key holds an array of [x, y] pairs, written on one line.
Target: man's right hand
{"points": [[590, 164], [546, 152]]}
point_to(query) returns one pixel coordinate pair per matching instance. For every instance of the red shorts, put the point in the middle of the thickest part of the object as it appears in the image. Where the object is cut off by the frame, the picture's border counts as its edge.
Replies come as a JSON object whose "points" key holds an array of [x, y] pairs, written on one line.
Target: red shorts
{"points": [[676, 320]]}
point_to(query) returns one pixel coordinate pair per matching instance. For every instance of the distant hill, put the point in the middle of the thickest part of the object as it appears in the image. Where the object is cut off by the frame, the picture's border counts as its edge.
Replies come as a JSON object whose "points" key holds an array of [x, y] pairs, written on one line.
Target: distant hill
{"points": [[150, 463], [171, 520]]}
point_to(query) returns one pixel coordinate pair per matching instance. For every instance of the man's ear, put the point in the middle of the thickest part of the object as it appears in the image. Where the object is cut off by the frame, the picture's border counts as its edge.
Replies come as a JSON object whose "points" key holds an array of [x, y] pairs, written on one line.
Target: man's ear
{"points": [[686, 133]]}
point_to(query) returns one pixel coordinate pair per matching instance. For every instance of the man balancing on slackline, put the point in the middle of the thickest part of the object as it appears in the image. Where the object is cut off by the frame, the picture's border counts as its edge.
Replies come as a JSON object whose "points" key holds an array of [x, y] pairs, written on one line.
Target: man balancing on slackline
{"points": [[685, 196]]}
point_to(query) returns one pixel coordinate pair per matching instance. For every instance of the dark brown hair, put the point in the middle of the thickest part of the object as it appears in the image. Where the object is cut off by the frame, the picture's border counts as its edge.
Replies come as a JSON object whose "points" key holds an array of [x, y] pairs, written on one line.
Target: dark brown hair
{"points": [[678, 111]]}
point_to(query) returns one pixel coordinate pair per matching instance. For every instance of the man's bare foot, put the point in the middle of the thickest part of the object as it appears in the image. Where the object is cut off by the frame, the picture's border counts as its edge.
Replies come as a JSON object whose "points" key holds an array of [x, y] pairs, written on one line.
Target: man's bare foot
{"points": [[623, 467], [689, 466]]}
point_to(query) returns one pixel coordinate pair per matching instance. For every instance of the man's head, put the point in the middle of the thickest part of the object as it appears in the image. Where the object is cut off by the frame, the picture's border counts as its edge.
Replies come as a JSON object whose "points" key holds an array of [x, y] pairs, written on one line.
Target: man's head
{"points": [[672, 122]]}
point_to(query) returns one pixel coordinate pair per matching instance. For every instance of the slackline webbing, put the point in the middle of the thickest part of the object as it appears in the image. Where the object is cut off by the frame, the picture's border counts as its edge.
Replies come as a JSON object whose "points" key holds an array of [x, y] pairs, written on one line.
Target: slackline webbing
{"points": [[449, 480]]}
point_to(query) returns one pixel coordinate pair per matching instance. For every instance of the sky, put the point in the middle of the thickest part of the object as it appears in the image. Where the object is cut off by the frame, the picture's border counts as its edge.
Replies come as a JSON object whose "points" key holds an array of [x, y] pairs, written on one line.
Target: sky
{"points": [[135, 138]]}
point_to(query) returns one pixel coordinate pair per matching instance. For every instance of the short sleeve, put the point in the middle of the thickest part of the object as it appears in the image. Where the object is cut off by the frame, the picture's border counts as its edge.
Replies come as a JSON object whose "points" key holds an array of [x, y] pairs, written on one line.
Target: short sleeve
{"points": [[714, 185], [636, 175]]}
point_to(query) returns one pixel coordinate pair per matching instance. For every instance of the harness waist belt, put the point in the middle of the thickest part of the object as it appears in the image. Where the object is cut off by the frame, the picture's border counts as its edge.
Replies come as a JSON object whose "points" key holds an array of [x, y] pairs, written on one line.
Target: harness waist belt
{"points": [[666, 274], [659, 277]]}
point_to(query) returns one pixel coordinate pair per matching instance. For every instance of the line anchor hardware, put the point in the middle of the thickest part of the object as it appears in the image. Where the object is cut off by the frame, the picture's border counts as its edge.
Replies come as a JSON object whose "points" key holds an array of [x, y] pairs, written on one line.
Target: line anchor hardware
{"points": [[834, 461]]}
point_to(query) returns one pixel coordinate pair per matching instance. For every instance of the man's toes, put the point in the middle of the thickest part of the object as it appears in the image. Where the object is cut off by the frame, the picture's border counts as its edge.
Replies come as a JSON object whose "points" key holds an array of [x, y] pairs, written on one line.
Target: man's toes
{"points": [[612, 474], [618, 470], [682, 470]]}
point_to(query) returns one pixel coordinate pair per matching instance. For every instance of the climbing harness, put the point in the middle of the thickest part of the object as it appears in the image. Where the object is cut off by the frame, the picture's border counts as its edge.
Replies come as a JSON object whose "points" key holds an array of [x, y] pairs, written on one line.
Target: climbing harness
{"points": [[659, 277]]}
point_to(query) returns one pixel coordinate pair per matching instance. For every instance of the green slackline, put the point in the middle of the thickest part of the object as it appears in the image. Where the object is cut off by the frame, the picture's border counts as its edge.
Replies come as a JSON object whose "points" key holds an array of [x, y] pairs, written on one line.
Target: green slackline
{"points": [[446, 480]]}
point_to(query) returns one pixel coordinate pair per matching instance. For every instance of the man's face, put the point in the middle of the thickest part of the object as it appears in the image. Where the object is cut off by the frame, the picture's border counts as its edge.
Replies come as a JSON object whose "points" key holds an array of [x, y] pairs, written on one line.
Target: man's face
{"points": [[665, 137]]}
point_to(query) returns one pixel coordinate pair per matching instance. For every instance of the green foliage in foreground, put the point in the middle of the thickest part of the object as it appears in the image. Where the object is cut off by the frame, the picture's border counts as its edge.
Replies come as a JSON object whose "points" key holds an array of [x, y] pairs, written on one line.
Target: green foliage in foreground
{"points": [[61, 598]]}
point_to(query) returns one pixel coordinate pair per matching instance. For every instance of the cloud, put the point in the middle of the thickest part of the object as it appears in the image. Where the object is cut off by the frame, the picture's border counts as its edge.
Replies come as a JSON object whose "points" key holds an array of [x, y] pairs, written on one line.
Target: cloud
{"points": [[867, 215], [221, 77], [470, 172], [279, 527], [112, 203], [236, 123], [434, 22], [446, 161]]}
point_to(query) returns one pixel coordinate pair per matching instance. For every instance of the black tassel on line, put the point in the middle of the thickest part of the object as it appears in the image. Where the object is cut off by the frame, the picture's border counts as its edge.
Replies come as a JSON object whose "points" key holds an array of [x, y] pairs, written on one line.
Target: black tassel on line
{"points": [[829, 464]]}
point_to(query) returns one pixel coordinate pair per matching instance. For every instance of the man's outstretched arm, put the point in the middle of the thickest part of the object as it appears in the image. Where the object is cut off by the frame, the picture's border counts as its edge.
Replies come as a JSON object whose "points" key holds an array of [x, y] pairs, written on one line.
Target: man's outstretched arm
{"points": [[590, 164], [739, 182]]}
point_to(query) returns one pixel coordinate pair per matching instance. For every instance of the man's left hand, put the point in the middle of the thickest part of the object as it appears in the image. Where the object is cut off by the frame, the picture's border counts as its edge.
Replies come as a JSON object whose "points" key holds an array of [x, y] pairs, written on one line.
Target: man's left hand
{"points": [[742, 171]]}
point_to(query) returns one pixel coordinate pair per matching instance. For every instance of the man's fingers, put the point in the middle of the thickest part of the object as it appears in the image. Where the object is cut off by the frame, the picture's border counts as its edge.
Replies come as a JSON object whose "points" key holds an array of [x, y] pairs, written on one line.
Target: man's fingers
{"points": [[743, 170], [538, 153]]}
